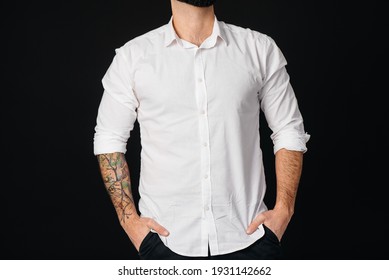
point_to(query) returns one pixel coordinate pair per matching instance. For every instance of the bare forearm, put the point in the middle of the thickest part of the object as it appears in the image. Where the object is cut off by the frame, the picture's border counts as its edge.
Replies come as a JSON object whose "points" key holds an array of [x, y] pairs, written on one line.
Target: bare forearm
{"points": [[116, 177], [288, 172]]}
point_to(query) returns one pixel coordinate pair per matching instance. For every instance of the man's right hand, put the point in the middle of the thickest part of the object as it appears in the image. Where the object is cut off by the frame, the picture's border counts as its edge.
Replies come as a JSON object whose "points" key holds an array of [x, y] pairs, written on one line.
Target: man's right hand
{"points": [[138, 227]]}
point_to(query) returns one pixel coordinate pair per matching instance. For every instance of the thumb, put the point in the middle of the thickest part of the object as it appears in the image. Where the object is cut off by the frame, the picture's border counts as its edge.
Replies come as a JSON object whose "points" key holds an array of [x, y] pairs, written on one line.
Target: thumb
{"points": [[158, 228], [259, 219]]}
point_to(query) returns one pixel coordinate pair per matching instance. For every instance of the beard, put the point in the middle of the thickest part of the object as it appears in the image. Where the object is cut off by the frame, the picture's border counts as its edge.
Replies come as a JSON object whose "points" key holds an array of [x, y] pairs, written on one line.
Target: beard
{"points": [[199, 3]]}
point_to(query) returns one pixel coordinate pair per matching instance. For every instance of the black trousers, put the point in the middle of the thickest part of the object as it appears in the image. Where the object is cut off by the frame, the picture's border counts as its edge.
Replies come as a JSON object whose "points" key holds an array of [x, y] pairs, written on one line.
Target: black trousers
{"points": [[266, 248]]}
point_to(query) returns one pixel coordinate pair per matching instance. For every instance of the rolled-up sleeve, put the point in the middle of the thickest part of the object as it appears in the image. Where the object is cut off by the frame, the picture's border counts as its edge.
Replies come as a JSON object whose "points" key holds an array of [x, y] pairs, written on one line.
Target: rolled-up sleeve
{"points": [[117, 111], [279, 104]]}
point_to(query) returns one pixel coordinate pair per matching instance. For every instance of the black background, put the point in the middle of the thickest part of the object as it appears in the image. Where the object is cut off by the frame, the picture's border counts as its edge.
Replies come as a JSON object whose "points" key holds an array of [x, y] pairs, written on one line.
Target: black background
{"points": [[54, 204]]}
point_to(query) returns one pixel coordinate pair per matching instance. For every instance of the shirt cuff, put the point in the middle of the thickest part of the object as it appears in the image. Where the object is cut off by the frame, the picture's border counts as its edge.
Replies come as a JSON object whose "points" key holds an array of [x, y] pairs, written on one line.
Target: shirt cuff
{"points": [[103, 145], [291, 141]]}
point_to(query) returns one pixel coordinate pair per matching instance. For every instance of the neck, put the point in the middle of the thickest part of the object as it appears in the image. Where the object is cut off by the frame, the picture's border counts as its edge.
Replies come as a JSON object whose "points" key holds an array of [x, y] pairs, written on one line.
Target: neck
{"points": [[191, 23]]}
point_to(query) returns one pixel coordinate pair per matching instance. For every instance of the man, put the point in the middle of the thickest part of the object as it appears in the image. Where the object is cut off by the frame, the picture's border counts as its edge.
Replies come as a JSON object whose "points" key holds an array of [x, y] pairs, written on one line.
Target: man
{"points": [[196, 87]]}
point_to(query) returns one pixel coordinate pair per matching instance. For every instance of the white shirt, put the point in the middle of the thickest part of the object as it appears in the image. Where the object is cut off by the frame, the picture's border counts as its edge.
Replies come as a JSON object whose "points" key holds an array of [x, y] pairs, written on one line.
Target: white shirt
{"points": [[198, 109]]}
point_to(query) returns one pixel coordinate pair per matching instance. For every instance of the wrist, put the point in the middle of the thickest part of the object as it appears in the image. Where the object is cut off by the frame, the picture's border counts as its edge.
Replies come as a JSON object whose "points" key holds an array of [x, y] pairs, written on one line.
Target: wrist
{"points": [[130, 220], [286, 210]]}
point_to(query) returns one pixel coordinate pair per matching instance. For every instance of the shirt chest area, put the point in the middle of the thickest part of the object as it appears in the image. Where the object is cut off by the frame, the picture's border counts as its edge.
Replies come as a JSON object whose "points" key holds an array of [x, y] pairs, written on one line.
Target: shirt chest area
{"points": [[182, 80]]}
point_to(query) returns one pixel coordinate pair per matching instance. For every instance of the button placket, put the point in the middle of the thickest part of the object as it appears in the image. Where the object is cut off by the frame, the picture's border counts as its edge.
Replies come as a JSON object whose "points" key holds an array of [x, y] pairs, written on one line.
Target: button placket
{"points": [[201, 90], [202, 103]]}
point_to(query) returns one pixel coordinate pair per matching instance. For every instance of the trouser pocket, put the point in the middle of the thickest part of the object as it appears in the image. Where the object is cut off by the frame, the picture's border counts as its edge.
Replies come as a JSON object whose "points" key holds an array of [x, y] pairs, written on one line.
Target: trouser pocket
{"points": [[145, 245], [271, 235]]}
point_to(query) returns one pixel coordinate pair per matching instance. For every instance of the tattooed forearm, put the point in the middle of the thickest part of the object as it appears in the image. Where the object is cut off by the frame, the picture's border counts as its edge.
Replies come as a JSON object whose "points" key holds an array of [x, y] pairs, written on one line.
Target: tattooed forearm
{"points": [[116, 176]]}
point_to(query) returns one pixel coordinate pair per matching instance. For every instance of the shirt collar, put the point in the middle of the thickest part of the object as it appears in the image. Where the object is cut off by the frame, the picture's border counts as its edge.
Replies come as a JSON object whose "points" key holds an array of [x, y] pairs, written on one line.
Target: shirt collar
{"points": [[217, 32]]}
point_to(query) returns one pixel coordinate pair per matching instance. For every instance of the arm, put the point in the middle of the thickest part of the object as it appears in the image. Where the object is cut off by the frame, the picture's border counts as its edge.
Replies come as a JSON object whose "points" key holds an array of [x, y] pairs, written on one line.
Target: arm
{"points": [[288, 173], [115, 120], [116, 177], [280, 107]]}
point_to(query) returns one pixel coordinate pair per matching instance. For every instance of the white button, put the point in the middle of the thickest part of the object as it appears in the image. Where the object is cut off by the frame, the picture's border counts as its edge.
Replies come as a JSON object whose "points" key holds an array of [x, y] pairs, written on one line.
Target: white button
{"points": [[205, 176], [200, 80], [205, 144], [206, 208], [202, 112]]}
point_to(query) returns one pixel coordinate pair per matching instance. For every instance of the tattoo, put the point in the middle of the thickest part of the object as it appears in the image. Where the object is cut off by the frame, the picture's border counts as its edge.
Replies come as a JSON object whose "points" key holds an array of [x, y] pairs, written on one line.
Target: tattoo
{"points": [[116, 176]]}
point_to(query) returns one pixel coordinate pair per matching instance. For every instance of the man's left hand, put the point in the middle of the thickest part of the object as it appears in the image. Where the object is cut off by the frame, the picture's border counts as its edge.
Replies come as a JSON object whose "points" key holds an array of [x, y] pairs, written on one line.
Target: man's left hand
{"points": [[276, 220]]}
